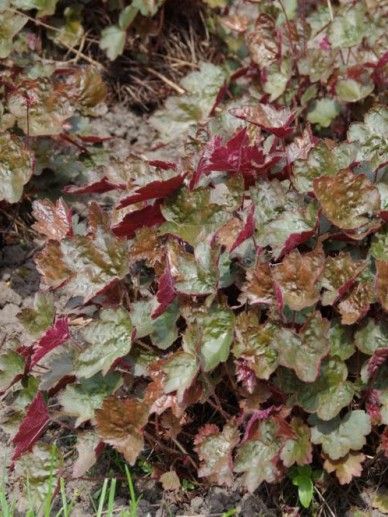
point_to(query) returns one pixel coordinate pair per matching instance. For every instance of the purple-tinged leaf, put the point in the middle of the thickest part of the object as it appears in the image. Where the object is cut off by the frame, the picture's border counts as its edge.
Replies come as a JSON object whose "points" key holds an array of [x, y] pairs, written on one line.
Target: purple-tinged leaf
{"points": [[32, 426], [166, 291], [97, 187], [154, 190], [144, 217], [52, 338], [235, 155]]}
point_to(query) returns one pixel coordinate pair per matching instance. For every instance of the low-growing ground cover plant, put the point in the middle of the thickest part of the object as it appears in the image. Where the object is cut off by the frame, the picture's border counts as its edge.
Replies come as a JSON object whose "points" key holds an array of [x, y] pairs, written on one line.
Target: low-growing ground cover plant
{"points": [[228, 311]]}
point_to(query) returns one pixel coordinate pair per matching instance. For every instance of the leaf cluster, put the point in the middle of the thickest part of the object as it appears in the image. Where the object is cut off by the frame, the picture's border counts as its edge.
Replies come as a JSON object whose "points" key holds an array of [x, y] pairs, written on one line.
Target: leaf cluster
{"points": [[229, 310]]}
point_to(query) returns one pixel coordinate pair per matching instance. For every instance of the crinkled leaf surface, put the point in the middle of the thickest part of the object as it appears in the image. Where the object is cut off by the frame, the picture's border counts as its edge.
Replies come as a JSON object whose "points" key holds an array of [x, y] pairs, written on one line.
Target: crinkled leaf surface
{"points": [[193, 216], [348, 200], [214, 448], [94, 262], [276, 121], [303, 352], [81, 400], [371, 136], [16, 167], [340, 274], [371, 336], [41, 316], [120, 423], [212, 335], [325, 159], [327, 395], [38, 468], [52, 220], [345, 468], [348, 29], [181, 112], [298, 448], [296, 279], [255, 344], [339, 436], [255, 458], [106, 339], [11, 365], [283, 219]]}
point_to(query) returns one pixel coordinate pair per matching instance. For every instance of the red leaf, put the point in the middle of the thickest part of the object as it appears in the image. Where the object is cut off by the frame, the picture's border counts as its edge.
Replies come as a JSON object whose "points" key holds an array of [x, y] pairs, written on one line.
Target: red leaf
{"points": [[236, 155], [294, 240], [32, 426], [53, 337], [166, 291], [377, 360], [161, 164], [155, 190], [148, 216], [269, 118], [245, 375], [247, 230], [97, 187]]}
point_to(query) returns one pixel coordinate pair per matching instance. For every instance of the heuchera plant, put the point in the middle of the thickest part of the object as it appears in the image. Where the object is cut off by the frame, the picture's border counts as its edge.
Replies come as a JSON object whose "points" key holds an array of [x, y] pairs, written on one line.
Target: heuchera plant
{"points": [[229, 312]]}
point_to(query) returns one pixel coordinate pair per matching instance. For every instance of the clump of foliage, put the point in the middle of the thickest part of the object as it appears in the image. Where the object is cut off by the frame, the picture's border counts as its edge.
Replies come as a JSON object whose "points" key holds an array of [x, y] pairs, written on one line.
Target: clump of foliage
{"points": [[229, 312]]}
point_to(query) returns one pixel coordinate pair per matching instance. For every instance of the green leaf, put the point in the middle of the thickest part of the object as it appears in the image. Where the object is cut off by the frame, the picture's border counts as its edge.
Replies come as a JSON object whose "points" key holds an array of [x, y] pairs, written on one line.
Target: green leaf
{"points": [[10, 25], [297, 449], [214, 449], [323, 112], [192, 216], [180, 370], [301, 477], [148, 7], [371, 136], [379, 246], [94, 262], [181, 112], [82, 399], [112, 41], [316, 64], [41, 108], [38, 471], [348, 29], [16, 168], [107, 339], [162, 330], [41, 316], [211, 333], [326, 396], [280, 214], [350, 90], [11, 365], [339, 436], [340, 271], [255, 458], [194, 274], [127, 16], [303, 352], [325, 159], [255, 344], [44, 7], [371, 336], [341, 339]]}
